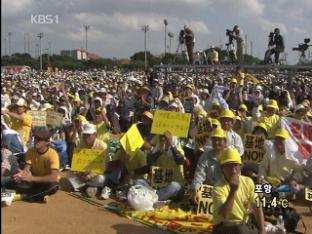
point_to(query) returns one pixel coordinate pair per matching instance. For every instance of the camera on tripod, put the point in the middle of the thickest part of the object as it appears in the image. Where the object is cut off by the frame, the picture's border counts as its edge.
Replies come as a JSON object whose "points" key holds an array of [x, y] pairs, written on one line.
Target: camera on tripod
{"points": [[302, 47], [229, 33], [181, 36]]}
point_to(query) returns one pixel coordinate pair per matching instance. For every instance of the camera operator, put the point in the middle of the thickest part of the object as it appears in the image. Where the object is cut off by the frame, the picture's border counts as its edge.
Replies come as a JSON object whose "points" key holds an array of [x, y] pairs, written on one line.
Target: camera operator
{"points": [[270, 50], [279, 44], [189, 42], [238, 36]]}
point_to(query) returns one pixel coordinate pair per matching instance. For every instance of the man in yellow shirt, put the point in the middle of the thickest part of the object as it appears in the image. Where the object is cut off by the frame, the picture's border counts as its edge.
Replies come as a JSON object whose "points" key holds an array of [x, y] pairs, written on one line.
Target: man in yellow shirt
{"points": [[40, 176], [234, 199], [276, 168], [21, 121], [102, 125]]}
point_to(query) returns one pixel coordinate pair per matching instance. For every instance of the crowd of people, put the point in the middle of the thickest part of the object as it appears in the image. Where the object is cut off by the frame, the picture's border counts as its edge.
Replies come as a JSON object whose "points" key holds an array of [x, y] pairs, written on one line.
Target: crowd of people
{"points": [[99, 106]]}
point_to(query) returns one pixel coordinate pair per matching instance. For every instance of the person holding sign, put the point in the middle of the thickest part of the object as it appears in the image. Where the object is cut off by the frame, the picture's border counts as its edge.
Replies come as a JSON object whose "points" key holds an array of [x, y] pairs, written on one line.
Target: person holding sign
{"points": [[40, 176], [166, 156], [233, 196], [227, 118], [21, 121], [276, 166], [89, 141], [208, 170]]}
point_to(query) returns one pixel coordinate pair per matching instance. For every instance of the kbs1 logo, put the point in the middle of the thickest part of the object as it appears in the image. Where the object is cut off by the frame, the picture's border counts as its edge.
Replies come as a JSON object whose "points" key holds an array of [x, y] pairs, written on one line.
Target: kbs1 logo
{"points": [[44, 19]]}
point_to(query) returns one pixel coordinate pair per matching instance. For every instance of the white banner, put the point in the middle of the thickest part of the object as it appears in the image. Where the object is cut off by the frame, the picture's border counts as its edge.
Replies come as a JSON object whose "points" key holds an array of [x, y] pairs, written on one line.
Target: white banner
{"points": [[299, 144]]}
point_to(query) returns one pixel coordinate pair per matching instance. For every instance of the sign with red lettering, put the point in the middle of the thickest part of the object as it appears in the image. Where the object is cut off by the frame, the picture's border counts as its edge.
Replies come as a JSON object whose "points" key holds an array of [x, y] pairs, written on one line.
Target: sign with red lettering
{"points": [[299, 144]]}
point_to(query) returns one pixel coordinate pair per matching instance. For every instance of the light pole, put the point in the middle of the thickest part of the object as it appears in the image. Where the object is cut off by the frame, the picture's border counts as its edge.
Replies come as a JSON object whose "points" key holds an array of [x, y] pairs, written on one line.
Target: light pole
{"points": [[5, 46], [9, 40], [86, 27], [166, 24], [145, 29], [170, 35], [40, 36]]}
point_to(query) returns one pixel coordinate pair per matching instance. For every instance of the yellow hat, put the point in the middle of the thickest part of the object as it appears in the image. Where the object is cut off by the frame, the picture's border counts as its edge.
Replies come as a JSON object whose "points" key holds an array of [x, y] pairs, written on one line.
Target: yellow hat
{"points": [[260, 108], [262, 125], [242, 107], [238, 118], [77, 99], [148, 114], [215, 122], [233, 80], [309, 114], [189, 86], [227, 113], [230, 155], [81, 118], [272, 104], [202, 113], [283, 133], [218, 132]]}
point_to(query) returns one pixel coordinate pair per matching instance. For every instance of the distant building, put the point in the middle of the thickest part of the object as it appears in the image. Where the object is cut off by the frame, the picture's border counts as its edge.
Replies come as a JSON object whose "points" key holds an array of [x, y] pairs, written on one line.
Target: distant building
{"points": [[79, 54]]}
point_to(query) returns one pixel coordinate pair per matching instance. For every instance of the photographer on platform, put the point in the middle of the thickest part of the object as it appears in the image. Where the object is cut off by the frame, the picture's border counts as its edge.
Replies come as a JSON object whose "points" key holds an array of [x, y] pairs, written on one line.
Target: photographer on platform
{"points": [[189, 40], [279, 44]]}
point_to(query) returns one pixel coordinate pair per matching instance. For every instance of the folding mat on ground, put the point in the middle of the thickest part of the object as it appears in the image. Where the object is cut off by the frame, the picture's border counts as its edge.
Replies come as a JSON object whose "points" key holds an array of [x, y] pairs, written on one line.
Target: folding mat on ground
{"points": [[177, 218]]}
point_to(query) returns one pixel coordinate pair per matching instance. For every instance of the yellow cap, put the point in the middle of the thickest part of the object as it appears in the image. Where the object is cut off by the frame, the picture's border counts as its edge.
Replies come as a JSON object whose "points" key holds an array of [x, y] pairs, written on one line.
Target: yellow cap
{"points": [[272, 104], [234, 81], [215, 122], [81, 118], [227, 113], [242, 107], [77, 99], [281, 132], [262, 125], [230, 155], [260, 108], [148, 114], [218, 132], [189, 86], [202, 113], [238, 118]]}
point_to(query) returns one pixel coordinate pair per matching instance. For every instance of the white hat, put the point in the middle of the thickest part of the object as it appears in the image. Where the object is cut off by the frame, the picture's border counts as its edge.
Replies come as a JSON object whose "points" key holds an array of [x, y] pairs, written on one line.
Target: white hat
{"points": [[88, 129], [21, 102], [258, 87], [174, 105], [205, 91], [299, 107], [102, 90]]}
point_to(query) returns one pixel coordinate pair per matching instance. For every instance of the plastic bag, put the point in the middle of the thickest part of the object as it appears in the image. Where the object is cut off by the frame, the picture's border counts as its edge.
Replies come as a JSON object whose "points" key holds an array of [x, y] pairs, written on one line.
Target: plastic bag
{"points": [[142, 198]]}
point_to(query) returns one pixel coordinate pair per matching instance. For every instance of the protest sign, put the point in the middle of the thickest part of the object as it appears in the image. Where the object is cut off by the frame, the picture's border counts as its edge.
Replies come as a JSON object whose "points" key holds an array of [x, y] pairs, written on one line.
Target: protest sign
{"points": [[175, 122], [299, 145], [204, 128], [39, 118], [89, 160], [161, 176], [254, 148], [54, 119], [308, 194], [205, 204], [132, 140]]}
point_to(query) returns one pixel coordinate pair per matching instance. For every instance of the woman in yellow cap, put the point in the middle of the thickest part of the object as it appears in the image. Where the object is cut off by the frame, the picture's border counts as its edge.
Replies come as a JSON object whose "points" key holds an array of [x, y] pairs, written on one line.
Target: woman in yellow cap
{"points": [[21, 120], [233, 196], [277, 168], [271, 118]]}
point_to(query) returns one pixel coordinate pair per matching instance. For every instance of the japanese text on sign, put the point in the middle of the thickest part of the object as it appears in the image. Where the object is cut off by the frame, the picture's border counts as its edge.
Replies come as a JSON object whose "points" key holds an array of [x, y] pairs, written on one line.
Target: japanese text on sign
{"points": [[205, 204], [89, 160], [175, 122], [39, 118], [132, 140], [254, 148], [161, 176], [204, 128]]}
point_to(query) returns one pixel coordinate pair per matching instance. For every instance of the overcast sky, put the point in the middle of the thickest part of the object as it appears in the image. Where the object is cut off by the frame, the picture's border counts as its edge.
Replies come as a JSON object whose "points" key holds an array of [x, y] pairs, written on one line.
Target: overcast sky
{"points": [[116, 24]]}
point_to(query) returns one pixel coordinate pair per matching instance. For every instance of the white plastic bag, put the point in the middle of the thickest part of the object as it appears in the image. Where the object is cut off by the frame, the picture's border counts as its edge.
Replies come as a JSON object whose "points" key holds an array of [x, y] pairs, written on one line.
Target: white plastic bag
{"points": [[142, 198]]}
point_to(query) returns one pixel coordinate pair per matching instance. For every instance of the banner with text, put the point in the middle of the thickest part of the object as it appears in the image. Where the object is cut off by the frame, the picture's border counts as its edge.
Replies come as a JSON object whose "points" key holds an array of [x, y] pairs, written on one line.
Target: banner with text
{"points": [[254, 148], [175, 122]]}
